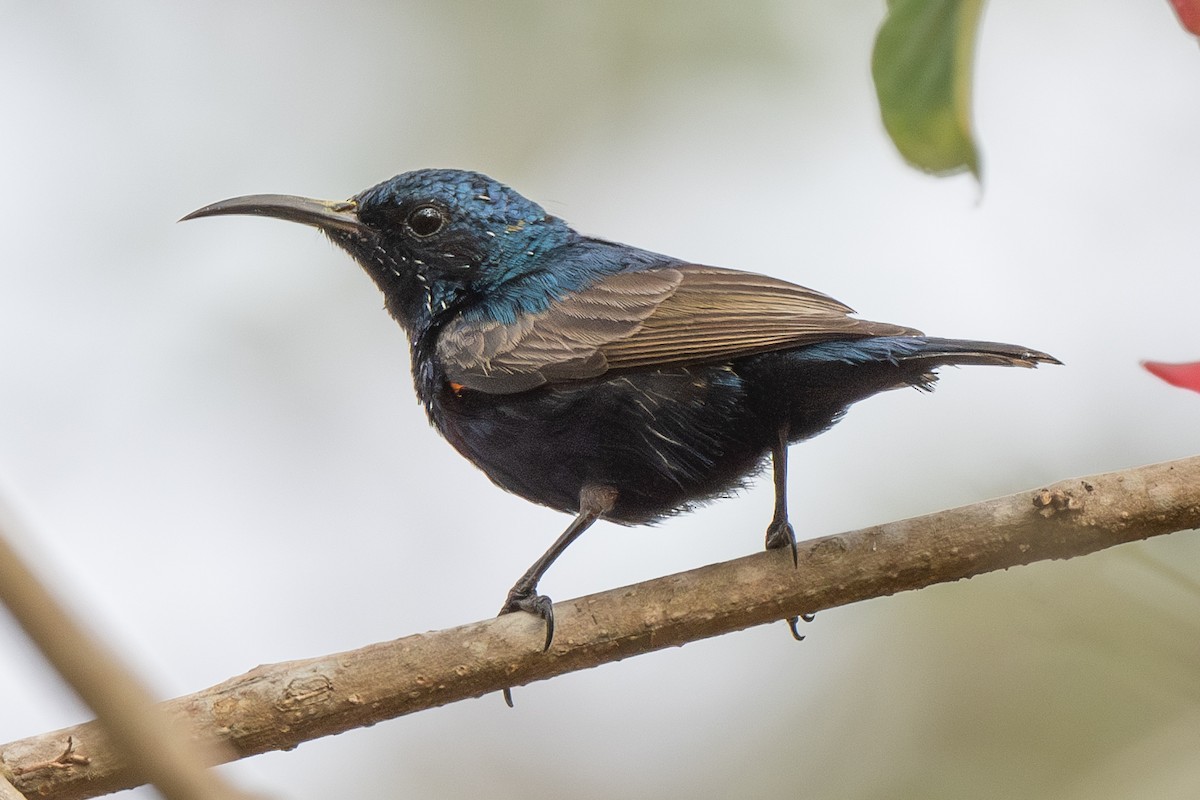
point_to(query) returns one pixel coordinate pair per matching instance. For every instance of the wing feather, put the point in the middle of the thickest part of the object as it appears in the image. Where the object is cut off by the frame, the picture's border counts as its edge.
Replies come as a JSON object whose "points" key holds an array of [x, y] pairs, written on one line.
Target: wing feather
{"points": [[680, 315]]}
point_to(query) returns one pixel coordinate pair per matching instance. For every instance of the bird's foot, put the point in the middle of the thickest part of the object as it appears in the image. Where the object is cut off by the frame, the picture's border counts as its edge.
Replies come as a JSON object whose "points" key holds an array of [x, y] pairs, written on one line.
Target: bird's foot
{"points": [[529, 601], [780, 533], [526, 599], [793, 622]]}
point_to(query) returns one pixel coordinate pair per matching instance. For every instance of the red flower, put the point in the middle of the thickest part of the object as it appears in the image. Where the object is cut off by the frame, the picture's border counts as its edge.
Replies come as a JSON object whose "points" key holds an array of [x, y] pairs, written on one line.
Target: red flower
{"points": [[1189, 16], [1186, 376]]}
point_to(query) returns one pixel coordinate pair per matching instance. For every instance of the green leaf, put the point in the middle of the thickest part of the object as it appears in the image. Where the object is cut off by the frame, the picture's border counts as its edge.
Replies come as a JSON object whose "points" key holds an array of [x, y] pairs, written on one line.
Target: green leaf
{"points": [[922, 69]]}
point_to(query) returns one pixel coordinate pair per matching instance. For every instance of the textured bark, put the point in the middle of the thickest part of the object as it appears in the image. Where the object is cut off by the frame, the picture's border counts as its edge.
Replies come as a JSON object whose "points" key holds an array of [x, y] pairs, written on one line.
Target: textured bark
{"points": [[281, 705]]}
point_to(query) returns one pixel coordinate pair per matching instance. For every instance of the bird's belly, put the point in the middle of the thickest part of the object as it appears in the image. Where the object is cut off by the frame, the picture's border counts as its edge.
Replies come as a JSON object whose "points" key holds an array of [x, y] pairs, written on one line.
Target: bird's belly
{"points": [[664, 439]]}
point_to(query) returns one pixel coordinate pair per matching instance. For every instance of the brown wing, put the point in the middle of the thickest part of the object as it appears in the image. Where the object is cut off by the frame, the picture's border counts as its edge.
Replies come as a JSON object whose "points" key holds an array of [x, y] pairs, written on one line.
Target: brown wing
{"points": [[680, 315]]}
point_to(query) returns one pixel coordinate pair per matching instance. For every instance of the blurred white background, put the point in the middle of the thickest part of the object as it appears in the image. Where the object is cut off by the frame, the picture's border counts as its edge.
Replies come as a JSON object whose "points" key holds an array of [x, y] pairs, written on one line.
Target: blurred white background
{"points": [[212, 425]]}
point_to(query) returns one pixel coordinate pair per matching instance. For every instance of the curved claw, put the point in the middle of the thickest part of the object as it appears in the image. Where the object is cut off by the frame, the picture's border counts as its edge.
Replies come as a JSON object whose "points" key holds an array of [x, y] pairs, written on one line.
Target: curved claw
{"points": [[793, 623], [782, 534], [537, 604], [531, 603]]}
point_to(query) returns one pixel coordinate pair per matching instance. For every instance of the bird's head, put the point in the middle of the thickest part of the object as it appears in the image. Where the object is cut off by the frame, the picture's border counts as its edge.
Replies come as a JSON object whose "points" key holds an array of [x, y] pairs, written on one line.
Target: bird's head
{"points": [[431, 239]]}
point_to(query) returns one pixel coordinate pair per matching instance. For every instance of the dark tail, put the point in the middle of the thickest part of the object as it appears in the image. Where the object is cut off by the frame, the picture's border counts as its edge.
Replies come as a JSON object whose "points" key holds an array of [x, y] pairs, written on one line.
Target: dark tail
{"points": [[822, 380], [925, 351], [965, 351]]}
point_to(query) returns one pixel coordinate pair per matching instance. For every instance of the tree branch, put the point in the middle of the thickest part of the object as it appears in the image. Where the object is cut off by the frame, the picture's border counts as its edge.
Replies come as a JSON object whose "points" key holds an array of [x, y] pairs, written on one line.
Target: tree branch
{"points": [[279, 706]]}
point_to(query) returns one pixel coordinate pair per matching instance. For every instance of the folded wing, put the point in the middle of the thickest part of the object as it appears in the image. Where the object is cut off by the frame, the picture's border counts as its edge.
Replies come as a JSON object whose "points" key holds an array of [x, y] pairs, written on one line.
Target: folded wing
{"points": [[673, 316]]}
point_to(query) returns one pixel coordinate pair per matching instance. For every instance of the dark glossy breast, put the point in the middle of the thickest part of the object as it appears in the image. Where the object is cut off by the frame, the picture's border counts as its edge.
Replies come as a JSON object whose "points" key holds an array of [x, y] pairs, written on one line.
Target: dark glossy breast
{"points": [[665, 439]]}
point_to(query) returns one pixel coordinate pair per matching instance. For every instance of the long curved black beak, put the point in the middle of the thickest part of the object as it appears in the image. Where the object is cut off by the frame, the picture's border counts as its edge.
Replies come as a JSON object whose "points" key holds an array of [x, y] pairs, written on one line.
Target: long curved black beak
{"points": [[327, 215]]}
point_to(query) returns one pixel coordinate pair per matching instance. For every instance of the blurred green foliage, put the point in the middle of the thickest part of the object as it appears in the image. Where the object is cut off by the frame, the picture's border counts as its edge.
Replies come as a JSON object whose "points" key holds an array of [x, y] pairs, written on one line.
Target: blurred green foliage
{"points": [[922, 70]]}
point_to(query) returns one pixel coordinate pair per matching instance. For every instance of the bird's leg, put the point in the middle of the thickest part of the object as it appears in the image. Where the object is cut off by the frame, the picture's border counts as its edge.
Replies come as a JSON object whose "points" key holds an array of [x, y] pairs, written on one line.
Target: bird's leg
{"points": [[594, 502], [780, 532]]}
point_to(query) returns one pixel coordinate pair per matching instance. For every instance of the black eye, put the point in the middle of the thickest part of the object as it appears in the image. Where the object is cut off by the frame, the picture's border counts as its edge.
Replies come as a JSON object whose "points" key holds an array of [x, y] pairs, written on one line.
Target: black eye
{"points": [[426, 221]]}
